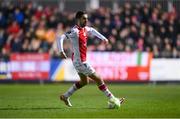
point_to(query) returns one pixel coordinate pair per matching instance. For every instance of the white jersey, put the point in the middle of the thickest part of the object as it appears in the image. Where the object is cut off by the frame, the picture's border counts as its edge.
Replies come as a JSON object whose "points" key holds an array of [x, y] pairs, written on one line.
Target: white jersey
{"points": [[78, 37]]}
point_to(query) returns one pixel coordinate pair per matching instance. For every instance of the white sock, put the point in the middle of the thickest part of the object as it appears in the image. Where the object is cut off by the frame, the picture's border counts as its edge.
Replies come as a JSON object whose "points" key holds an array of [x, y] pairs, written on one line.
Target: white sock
{"points": [[70, 91], [106, 91]]}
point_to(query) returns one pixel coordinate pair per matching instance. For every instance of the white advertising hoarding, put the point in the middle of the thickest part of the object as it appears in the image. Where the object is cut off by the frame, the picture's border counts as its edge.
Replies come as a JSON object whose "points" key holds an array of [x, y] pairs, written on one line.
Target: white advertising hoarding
{"points": [[165, 70]]}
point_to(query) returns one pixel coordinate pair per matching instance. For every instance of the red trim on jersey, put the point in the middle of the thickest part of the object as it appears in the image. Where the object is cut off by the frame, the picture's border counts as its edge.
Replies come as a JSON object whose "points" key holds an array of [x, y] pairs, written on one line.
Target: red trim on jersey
{"points": [[82, 43], [72, 56]]}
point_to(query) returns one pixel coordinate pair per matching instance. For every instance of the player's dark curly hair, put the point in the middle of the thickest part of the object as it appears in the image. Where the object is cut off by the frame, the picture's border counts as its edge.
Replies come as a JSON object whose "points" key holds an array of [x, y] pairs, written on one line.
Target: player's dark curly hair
{"points": [[79, 14]]}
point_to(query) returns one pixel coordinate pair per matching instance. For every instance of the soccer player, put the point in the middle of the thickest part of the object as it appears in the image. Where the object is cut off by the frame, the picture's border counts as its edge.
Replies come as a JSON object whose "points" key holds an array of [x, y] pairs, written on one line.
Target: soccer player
{"points": [[78, 36]]}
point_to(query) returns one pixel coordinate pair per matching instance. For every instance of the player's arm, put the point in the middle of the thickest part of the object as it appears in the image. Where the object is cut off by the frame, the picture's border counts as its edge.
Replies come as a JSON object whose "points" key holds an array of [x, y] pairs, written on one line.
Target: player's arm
{"points": [[60, 40], [94, 32]]}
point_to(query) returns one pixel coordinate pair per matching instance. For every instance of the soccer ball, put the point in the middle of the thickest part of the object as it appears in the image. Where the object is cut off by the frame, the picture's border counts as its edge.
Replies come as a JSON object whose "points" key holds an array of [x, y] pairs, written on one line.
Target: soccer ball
{"points": [[114, 104]]}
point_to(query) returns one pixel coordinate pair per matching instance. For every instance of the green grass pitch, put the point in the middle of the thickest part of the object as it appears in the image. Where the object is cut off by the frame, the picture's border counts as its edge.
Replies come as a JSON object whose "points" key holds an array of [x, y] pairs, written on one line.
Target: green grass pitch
{"points": [[142, 100]]}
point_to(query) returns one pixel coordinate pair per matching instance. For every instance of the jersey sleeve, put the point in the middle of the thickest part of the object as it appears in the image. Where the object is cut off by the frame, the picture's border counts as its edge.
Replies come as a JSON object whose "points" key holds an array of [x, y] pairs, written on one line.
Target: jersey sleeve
{"points": [[60, 39], [94, 32]]}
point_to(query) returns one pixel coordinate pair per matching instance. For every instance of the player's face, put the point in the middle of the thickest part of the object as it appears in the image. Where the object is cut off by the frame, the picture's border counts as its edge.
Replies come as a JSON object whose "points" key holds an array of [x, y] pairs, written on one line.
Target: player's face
{"points": [[83, 20]]}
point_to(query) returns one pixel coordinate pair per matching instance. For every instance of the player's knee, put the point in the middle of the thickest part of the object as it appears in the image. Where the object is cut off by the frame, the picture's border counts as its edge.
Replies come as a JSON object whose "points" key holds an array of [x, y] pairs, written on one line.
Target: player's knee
{"points": [[85, 82]]}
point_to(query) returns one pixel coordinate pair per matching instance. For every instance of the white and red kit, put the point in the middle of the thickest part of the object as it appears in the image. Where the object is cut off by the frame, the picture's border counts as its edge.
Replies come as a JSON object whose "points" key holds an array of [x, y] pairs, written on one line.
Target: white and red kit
{"points": [[78, 37]]}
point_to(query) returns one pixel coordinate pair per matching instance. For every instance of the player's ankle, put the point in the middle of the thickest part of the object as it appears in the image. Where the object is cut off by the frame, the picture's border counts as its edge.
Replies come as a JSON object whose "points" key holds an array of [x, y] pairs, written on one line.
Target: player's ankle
{"points": [[112, 97]]}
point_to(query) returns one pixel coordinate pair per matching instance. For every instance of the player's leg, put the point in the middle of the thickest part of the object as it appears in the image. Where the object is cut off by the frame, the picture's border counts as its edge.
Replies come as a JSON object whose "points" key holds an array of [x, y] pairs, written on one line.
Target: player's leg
{"points": [[102, 86], [83, 81]]}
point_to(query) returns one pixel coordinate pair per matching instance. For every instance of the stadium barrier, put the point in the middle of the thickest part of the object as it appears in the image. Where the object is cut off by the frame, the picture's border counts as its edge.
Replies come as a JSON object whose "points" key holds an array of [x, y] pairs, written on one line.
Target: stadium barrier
{"points": [[165, 70], [116, 66], [112, 66], [30, 66]]}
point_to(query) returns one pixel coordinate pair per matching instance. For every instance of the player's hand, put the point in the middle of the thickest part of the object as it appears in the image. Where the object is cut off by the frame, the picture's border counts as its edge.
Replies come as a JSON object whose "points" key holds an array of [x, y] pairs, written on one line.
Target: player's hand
{"points": [[63, 55], [106, 41]]}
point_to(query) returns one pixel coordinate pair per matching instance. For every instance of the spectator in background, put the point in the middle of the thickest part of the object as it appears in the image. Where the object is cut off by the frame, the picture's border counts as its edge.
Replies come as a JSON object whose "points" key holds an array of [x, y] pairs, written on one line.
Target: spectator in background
{"points": [[133, 27], [13, 29], [178, 45], [50, 36], [19, 16], [3, 20], [3, 38], [4, 55]]}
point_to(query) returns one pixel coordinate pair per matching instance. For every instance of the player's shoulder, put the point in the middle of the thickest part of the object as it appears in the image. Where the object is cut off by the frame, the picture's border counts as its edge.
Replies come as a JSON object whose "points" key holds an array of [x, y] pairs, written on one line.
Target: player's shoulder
{"points": [[72, 30], [88, 28]]}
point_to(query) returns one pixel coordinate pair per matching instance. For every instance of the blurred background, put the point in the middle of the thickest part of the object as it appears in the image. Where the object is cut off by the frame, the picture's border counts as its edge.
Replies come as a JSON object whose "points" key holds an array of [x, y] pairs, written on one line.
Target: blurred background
{"points": [[144, 39]]}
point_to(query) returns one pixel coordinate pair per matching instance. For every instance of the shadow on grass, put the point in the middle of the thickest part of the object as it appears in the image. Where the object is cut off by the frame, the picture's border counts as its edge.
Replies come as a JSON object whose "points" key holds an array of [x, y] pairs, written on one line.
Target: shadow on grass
{"points": [[33, 108], [47, 108]]}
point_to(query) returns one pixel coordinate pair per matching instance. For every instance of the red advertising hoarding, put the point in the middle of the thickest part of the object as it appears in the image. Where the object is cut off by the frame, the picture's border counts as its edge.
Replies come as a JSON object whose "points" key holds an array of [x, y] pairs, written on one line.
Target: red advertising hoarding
{"points": [[117, 66], [30, 66]]}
